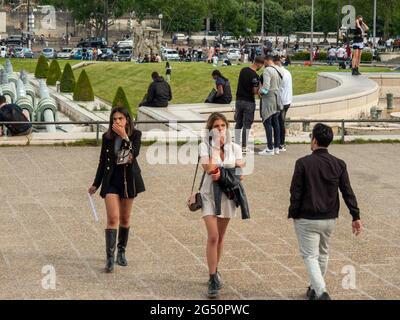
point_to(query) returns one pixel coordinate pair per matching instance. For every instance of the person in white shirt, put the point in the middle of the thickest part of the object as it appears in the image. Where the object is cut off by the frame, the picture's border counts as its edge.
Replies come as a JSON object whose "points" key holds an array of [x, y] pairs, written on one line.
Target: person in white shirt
{"points": [[389, 43], [341, 56], [331, 55], [286, 93]]}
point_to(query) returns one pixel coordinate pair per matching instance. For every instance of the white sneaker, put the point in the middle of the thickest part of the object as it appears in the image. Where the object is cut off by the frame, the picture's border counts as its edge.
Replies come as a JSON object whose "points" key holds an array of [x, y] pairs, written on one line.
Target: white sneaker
{"points": [[266, 152], [282, 149], [276, 151], [247, 150]]}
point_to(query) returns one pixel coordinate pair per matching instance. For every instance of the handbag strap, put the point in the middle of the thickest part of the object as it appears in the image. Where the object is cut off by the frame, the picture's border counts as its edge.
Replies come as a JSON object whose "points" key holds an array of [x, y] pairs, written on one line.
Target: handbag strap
{"points": [[195, 176], [204, 173]]}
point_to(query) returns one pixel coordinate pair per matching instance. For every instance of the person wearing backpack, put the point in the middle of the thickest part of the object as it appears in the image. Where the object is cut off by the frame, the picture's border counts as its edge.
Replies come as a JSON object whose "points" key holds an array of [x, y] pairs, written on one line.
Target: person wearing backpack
{"points": [[13, 113]]}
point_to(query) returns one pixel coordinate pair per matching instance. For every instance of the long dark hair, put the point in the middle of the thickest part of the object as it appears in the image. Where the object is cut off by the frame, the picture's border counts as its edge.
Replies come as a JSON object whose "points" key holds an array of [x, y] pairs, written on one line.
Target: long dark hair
{"points": [[218, 74], [130, 126]]}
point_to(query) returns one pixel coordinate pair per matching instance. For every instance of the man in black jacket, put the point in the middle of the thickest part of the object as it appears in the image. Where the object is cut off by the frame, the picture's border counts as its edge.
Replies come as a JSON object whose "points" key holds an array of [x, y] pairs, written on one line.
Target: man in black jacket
{"points": [[158, 94], [13, 113], [314, 206]]}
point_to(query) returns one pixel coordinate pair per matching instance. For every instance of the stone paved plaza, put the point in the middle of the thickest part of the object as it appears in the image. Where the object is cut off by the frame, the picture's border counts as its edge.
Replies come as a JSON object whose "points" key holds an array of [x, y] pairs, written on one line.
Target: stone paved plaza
{"points": [[46, 221]]}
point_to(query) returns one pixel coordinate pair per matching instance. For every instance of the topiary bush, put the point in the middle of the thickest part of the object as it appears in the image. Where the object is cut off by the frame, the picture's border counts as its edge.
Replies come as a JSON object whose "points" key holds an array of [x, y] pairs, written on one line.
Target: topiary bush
{"points": [[301, 55], [42, 68], [366, 57], [54, 74], [67, 80], [83, 89], [322, 56], [120, 100]]}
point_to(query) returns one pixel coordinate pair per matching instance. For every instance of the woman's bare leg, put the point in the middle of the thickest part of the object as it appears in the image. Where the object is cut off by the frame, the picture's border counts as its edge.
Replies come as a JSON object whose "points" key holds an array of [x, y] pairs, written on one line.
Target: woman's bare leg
{"points": [[125, 212], [222, 225], [113, 208], [212, 243]]}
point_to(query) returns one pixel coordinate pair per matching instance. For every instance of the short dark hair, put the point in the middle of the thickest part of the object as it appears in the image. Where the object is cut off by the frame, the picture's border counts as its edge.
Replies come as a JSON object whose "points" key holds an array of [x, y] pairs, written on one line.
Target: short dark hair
{"points": [[268, 57], [155, 75], [323, 134], [2, 99], [277, 59], [259, 60]]}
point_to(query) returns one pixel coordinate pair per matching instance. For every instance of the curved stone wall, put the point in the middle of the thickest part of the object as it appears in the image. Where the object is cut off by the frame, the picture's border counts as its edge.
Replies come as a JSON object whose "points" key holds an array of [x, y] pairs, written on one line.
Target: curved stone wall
{"points": [[339, 96]]}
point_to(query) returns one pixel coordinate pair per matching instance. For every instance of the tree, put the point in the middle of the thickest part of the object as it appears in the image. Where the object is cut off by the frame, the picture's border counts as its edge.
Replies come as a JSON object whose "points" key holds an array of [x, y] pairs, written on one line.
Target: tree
{"points": [[92, 13], [120, 100], [83, 89], [67, 80], [54, 74], [42, 68]]}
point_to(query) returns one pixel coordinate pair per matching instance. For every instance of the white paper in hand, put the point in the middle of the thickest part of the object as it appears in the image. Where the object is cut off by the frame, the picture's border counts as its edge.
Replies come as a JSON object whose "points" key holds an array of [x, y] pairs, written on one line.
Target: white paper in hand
{"points": [[96, 217]]}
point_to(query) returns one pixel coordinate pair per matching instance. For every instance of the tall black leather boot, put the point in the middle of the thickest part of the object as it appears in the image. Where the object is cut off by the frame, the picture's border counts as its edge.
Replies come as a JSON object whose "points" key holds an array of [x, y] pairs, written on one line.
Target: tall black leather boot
{"points": [[111, 239], [123, 234]]}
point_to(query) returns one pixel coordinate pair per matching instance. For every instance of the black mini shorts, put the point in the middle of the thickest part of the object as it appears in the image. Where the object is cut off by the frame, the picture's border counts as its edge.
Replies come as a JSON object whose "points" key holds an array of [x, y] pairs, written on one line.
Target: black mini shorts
{"points": [[117, 185]]}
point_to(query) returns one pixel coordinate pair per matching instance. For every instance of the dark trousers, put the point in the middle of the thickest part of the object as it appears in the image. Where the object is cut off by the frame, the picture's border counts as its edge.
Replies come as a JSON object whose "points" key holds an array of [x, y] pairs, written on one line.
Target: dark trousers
{"points": [[272, 124], [282, 127], [244, 117]]}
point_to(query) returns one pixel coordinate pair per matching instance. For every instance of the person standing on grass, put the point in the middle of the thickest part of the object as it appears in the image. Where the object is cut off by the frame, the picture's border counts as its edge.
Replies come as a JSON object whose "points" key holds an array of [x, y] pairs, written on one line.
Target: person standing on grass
{"points": [[168, 72], [248, 87], [314, 206], [286, 92]]}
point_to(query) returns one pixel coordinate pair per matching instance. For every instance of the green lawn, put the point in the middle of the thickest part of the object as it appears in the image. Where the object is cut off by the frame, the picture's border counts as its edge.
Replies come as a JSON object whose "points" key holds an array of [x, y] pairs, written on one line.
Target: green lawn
{"points": [[29, 65], [191, 82]]}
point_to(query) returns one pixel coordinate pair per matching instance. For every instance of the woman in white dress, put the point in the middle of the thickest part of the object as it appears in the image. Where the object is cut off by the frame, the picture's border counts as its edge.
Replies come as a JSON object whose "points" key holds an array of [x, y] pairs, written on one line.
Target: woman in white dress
{"points": [[217, 151]]}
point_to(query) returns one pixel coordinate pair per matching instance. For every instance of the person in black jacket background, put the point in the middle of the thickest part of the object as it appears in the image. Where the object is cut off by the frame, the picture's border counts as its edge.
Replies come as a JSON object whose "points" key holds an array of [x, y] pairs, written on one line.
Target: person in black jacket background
{"points": [[314, 206], [120, 183], [158, 94]]}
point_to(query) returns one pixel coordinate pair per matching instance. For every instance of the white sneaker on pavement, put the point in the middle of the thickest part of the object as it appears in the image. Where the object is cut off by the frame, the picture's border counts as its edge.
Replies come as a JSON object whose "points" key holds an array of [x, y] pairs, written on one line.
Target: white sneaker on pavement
{"points": [[266, 152]]}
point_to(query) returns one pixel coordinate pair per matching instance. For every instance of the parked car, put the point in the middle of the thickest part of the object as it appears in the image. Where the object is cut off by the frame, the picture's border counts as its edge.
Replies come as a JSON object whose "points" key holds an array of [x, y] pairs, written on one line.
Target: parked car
{"points": [[49, 53], [127, 43], [233, 54], [170, 54], [3, 51], [93, 42], [124, 55], [106, 54], [180, 36], [20, 52], [15, 40], [64, 53], [76, 54]]}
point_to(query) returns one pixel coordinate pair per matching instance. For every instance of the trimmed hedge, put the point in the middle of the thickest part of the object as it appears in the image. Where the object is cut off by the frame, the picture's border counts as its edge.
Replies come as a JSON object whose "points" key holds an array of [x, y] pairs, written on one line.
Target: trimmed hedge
{"points": [[83, 89], [42, 68], [54, 74], [67, 80], [366, 57], [120, 100], [323, 56], [301, 55]]}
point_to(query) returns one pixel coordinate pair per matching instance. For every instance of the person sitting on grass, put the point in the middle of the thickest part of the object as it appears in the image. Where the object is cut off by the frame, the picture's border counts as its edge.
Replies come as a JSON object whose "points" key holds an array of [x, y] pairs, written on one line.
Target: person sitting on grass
{"points": [[158, 94]]}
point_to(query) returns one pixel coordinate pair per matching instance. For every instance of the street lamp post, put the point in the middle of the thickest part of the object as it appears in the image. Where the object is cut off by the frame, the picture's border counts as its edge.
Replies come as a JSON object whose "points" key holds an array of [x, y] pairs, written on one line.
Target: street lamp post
{"points": [[106, 19], [374, 41], [312, 31], [262, 21], [160, 17]]}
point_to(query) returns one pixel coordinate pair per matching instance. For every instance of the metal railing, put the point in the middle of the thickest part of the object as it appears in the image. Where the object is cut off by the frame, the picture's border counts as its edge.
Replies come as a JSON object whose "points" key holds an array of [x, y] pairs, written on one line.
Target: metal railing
{"points": [[342, 123]]}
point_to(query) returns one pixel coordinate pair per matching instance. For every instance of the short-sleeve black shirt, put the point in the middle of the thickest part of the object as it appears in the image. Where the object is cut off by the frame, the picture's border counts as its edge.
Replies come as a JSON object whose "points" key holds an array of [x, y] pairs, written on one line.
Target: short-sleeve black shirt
{"points": [[248, 80]]}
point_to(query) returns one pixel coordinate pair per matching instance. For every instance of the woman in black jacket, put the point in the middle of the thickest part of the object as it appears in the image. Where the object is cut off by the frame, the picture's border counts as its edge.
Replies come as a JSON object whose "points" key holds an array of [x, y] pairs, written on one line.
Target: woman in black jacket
{"points": [[120, 183]]}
